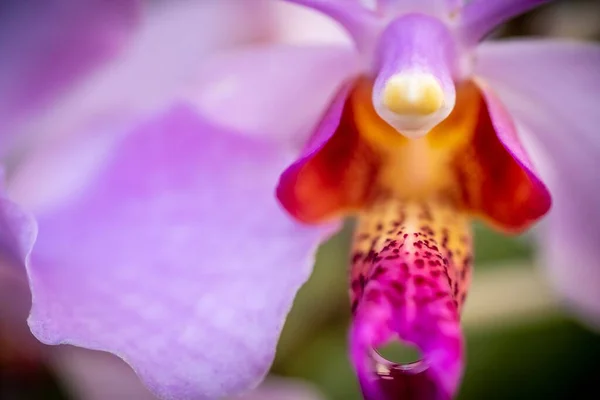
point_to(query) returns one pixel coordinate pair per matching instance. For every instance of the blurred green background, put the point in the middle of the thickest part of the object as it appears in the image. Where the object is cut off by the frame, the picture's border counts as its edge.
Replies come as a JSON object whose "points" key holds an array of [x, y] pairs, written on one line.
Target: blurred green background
{"points": [[521, 343]]}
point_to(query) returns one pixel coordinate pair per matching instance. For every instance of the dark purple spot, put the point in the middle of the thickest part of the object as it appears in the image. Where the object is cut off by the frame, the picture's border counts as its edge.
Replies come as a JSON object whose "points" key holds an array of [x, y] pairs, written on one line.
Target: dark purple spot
{"points": [[380, 270], [419, 280], [356, 257], [370, 256], [361, 281], [398, 287]]}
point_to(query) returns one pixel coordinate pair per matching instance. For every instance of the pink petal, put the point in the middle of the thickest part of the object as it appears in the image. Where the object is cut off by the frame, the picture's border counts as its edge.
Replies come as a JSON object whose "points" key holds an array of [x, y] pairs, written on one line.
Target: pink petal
{"points": [[302, 25], [174, 38], [176, 257], [365, 19], [46, 47], [480, 17], [127, 88], [439, 8], [552, 88], [360, 22], [320, 172], [275, 91], [514, 195]]}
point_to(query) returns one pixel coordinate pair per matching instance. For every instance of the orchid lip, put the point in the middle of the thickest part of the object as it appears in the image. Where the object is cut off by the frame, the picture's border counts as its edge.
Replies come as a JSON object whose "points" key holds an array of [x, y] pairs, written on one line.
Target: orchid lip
{"points": [[390, 380]]}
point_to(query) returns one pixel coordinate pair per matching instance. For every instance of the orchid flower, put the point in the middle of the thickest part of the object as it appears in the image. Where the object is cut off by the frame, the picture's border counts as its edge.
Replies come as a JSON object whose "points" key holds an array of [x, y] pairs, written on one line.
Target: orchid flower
{"points": [[180, 239], [421, 134]]}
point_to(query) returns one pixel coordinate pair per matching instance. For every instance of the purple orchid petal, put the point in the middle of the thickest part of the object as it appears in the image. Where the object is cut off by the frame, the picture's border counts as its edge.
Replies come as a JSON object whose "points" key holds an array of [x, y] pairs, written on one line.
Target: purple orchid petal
{"points": [[46, 47], [414, 88], [243, 89], [176, 39], [438, 8], [552, 89], [512, 196], [335, 171], [360, 22], [176, 257], [480, 17], [127, 87], [303, 25]]}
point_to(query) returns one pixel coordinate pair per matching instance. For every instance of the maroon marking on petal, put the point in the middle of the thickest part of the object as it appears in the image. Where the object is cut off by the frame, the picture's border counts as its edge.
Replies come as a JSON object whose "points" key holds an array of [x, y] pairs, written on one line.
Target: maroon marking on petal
{"points": [[414, 295]]}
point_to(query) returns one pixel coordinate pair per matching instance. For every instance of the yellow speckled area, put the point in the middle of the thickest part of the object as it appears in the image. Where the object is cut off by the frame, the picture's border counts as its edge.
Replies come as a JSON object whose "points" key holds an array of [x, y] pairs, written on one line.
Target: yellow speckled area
{"points": [[412, 251]]}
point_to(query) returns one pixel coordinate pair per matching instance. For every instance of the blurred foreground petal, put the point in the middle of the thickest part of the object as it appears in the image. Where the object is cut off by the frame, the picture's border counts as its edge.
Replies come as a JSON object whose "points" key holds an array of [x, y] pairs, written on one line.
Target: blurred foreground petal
{"points": [[171, 42], [176, 257], [277, 91], [552, 88], [47, 46]]}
